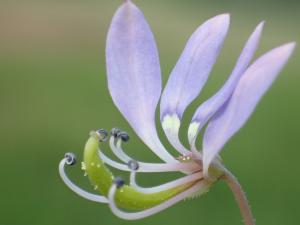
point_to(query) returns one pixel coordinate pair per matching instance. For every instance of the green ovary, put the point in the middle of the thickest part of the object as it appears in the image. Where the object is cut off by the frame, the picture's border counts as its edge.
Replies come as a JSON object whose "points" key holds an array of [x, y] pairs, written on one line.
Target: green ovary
{"points": [[126, 197]]}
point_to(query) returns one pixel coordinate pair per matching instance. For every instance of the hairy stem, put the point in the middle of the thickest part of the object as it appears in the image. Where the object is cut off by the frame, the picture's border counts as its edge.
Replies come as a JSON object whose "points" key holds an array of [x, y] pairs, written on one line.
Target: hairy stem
{"points": [[240, 197]]}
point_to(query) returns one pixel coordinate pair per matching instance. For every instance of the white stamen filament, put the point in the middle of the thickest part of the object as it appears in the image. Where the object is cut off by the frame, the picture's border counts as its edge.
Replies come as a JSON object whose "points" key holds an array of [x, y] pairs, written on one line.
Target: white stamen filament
{"points": [[117, 149], [166, 186], [112, 163], [119, 152], [76, 189], [152, 167], [148, 212]]}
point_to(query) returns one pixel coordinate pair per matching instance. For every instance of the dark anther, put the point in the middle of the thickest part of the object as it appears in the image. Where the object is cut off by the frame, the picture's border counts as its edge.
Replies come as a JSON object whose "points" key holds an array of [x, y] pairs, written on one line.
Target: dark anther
{"points": [[133, 165], [114, 132], [70, 158], [124, 136], [102, 135], [119, 182]]}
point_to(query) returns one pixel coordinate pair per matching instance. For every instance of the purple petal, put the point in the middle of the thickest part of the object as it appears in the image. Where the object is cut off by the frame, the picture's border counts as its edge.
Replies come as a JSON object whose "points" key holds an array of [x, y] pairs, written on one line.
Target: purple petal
{"points": [[190, 74], [212, 105], [192, 70], [251, 87], [134, 76]]}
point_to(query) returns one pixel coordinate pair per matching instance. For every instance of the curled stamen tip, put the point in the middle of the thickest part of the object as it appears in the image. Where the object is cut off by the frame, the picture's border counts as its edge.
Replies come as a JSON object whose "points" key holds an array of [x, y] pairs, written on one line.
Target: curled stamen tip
{"points": [[102, 135], [70, 158], [114, 132], [119, 182], [133, 165], [124, 136]]}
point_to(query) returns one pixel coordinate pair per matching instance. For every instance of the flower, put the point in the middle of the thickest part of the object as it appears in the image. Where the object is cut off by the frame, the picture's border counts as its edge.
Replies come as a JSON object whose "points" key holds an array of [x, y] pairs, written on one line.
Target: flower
{"points": [[134, 81]]}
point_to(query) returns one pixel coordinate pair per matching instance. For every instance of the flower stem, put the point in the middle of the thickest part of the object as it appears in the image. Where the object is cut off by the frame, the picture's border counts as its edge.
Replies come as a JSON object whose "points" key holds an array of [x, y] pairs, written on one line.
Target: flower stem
{"points": [[240, 197]]}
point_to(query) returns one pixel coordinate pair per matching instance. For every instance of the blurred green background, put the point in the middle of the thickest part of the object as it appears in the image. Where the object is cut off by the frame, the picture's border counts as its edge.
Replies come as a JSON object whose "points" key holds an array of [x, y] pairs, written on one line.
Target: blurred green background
{"points": [[53, 92]]}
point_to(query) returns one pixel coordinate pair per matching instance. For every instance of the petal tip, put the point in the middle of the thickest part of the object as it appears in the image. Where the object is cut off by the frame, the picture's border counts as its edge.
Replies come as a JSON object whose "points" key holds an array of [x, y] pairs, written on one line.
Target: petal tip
{"points": [[224, 18], [288, 48], [261, 25], [291, 45], [225, 15], [127, 1], [258, 30], [129, 5], [282, 52], [220, 22]]}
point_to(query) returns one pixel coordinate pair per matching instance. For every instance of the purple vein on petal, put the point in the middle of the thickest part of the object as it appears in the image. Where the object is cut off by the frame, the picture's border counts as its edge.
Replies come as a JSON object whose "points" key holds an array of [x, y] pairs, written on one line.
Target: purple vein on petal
{"points": [[251, 87], [191, 72], [134, 75], [211, 106]]}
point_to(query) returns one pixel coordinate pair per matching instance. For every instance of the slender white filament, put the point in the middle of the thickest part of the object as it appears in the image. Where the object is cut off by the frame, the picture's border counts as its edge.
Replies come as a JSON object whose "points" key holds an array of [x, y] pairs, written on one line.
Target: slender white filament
{"points": [[76, 189], [119, 152], [166, 186], [117, 149], [148, 212], [152, 167], [112, 163]]}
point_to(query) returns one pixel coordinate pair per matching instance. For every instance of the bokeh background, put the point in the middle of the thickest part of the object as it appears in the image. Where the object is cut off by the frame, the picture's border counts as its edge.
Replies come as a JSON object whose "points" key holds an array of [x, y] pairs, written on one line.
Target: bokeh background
{"points": [[53, 92]]}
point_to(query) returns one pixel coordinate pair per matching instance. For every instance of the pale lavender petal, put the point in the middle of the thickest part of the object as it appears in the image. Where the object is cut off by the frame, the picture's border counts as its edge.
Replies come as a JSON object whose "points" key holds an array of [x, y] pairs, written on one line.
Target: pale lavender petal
{"points": [[133, 73], [190, 74], [211, 106], [193, 67], [251, 87]]}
